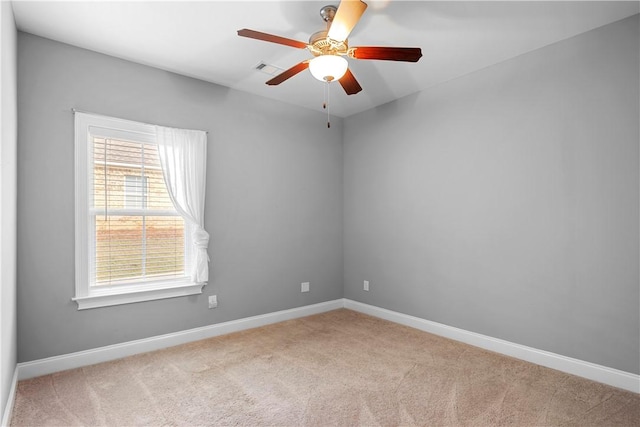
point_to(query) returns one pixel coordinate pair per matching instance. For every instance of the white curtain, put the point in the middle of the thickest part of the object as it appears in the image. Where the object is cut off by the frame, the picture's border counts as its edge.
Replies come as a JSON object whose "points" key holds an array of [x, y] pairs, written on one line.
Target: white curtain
{"points": [[183, 158]]}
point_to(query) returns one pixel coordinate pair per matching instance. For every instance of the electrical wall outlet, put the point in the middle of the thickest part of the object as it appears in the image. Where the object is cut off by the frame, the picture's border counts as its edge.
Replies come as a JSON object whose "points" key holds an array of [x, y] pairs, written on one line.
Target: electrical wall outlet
{"points": [[366, 285], [213, 301], [304, 287]]}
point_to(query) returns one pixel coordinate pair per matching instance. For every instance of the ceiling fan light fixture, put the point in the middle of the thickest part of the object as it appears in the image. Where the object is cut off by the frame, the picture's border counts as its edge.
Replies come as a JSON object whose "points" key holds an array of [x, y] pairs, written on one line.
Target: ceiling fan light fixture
{"points": [[327, 68], [330, 47]]}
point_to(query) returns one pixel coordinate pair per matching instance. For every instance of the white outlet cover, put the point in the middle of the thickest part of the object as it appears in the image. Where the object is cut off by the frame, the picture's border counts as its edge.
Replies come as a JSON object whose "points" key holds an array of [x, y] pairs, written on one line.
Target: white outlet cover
{"points": [[213, 301], [304, 287], [366, 285]]}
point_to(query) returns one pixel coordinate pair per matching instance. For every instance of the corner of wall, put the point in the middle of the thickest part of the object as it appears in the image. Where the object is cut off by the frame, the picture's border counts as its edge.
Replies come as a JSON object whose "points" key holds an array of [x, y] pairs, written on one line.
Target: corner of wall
{"points": [[8, 204]]}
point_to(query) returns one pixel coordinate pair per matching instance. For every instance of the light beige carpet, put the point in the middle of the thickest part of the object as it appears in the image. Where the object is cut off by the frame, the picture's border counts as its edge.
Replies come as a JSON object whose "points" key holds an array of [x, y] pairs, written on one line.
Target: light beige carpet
{"points": [[337, 368]]}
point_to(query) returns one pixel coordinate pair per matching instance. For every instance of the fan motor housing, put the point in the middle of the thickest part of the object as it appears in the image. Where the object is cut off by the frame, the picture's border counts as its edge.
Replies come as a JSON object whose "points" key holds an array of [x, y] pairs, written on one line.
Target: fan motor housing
{"points": [[320, 44]]}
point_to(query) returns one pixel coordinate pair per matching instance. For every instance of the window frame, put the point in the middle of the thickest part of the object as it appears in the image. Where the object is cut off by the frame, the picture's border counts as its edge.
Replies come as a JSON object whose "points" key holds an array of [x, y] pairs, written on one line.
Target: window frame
{"points": [[87, 296]]}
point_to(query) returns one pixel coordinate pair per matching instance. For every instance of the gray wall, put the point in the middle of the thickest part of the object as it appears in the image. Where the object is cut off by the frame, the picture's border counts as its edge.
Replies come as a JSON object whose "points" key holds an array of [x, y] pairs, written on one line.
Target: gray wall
{"points": [[8, 188], [273, 201], [505, 202]]}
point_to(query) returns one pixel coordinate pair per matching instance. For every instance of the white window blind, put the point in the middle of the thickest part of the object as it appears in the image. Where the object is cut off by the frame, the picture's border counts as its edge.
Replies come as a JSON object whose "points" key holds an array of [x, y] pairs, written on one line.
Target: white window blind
{"points": [[139, 236]]}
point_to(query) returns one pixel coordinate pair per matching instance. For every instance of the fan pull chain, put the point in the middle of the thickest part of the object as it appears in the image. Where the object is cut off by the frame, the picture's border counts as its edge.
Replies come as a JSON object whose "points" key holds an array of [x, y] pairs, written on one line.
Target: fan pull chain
{"points": [[328, 96], [324, 97], [325, 104]]}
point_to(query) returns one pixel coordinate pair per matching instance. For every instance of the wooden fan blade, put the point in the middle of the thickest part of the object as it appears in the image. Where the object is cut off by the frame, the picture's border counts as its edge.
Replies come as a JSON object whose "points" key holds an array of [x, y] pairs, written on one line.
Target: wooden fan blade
{"points": [[271, 38], [408, 54], [349, 83], [289, 73], [347, 16]]}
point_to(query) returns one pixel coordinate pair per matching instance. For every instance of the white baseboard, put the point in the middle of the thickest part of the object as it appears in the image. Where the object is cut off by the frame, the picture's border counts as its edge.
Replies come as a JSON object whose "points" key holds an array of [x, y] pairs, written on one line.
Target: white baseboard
{"points": [[8, 408], [53, 364], [591, 371]]}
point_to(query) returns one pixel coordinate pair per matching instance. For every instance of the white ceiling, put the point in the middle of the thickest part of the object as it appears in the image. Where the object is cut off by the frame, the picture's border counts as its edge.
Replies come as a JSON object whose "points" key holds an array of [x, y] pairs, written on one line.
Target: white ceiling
{"points": [[199, 39]]}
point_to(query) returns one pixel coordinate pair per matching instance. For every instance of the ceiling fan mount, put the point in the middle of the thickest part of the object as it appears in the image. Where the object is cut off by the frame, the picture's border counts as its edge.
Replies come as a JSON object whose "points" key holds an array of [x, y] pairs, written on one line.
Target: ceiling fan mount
{"points": [[328, 13], [329, 46]]}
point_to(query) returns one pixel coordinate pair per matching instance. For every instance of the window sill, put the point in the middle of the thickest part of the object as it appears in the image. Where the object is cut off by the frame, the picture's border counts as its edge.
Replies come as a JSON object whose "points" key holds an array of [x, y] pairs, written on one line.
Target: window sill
{"points": [[105, 300]]}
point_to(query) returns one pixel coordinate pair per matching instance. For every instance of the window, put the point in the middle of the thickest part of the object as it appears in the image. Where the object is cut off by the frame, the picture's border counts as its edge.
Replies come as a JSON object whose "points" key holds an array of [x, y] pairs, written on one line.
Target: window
{"points": [[135, 192], [131, 243]]}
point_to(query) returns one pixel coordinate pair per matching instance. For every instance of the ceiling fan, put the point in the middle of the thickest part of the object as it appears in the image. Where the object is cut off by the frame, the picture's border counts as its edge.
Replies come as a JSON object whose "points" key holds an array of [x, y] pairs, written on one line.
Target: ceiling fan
{"points": [[330, 46]]}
